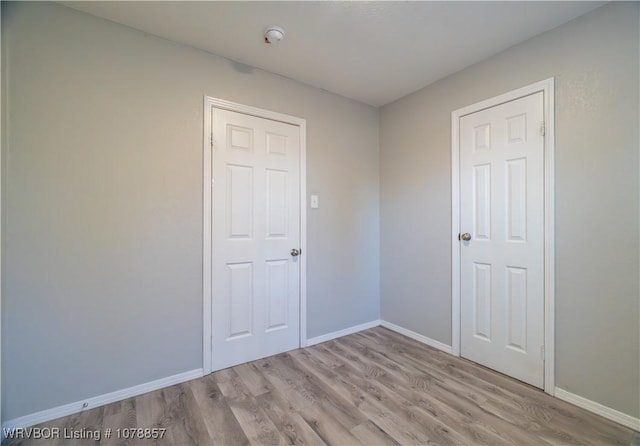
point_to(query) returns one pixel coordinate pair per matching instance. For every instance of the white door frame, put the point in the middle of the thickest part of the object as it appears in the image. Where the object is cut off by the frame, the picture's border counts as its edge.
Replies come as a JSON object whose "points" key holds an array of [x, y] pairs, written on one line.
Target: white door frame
{"points": [[207, 279], [547, 87]]}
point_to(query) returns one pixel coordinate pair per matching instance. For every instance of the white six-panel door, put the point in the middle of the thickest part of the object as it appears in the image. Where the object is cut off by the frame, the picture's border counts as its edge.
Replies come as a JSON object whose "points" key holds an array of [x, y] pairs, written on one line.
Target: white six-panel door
{"points": [[502, 265], [256, 224]]}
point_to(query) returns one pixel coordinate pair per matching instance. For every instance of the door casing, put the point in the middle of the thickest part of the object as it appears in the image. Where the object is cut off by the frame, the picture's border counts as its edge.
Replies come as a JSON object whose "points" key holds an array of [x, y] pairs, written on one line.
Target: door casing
{"points": [[207, 204], [547, 87]]}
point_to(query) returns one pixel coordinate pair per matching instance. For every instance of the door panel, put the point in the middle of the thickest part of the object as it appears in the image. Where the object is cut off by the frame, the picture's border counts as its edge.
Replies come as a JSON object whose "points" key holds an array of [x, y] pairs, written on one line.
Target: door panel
{"points": [[482, 201], [482, 300], [240, 201], [516, 184], [517, 308], [502, 266], [240, 297], [277, 203], [256, 223], [277, 293]]}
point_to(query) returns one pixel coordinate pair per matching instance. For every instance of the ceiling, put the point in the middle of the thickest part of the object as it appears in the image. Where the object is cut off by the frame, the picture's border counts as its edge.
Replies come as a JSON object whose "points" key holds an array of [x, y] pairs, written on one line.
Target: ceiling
{"points": [[374, 52]]}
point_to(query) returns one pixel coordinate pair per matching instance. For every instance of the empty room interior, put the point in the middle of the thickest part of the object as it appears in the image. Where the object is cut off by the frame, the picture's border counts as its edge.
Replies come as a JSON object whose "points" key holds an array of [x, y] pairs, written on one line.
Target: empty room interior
{"points": [[320, 223]]}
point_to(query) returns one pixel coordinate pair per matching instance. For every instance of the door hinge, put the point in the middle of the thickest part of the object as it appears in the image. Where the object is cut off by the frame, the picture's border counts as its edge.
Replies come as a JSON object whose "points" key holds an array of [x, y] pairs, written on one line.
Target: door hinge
{"points": [[211, 141], [542, 352], [542, 128]]}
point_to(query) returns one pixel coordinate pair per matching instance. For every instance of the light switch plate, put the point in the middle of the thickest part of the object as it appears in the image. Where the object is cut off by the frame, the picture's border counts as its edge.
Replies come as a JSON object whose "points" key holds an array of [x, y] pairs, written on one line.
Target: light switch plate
{"points": [[314, 202]]}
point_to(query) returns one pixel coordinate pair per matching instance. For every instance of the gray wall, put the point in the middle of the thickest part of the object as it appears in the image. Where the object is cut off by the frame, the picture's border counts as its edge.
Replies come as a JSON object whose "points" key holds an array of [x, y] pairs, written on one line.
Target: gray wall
{"points": [[595, 62], [103, 204]]}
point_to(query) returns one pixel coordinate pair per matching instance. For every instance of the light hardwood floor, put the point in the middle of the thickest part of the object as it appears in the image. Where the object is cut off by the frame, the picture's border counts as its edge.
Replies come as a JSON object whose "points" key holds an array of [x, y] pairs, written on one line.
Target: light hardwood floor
{"points": [[375, 387]]}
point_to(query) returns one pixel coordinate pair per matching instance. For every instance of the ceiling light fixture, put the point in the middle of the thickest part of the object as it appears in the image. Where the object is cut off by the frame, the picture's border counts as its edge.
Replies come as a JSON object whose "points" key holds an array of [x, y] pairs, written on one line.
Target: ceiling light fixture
{"points": [[273, 34]]}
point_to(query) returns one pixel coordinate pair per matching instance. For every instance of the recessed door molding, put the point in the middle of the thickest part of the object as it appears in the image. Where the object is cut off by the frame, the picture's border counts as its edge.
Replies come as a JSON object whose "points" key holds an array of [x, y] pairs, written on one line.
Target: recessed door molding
{"points": [[211, 103], [547, 88]]}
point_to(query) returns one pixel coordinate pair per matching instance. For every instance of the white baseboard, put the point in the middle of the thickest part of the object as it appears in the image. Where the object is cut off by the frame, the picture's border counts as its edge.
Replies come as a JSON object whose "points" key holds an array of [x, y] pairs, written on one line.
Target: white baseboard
{"points": [[100, 400], [340, 333], [597, 408], [418, 337]]}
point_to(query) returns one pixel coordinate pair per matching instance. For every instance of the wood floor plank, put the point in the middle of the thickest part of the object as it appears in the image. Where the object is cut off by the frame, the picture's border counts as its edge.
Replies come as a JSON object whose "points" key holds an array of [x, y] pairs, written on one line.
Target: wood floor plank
{"points": [[387, 408], [317, 407], [151, 412], [315, 392], [371, 434], [252, 379], [223, 426], [519, 403], [326, 427], [83, 428], [397, 376], [258, 428], [233, 389], [223, 375], [256, 425], [286, 384], [374, 387], [506, 412], [411, 371], [186, 422], [289, 423], [120, 415], [430, 408], [502, 410], [508, 402]]}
